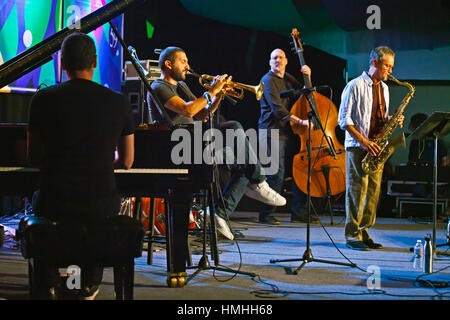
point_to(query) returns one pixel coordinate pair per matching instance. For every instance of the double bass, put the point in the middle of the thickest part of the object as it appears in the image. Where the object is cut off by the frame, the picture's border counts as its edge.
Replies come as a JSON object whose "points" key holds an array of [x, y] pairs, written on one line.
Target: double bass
{"points": [[327, 170]]}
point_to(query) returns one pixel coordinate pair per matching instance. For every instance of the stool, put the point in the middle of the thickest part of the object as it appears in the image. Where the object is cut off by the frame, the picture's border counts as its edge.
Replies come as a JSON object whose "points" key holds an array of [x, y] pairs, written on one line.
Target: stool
{"points": [[109, 242]]}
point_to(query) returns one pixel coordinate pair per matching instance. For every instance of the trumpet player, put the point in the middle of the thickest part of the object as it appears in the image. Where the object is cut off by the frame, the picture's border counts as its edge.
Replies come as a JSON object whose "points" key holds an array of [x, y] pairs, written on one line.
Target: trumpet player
{"points": [[183, 107], [363, 114]]}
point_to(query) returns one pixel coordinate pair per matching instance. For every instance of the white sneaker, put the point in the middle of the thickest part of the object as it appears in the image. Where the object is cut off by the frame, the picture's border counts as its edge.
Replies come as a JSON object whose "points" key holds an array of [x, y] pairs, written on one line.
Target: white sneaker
{"points": [[264, 193], [222, 227]]}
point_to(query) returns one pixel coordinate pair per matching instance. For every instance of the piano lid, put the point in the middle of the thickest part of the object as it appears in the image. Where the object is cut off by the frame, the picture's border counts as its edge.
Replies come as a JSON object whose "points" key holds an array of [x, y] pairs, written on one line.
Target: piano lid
{"points": [[41, 53]]}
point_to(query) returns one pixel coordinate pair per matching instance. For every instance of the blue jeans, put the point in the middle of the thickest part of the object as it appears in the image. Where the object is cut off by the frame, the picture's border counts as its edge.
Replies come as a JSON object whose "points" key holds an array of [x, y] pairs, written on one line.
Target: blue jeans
{"points": [[242, 174], [276, 182]]}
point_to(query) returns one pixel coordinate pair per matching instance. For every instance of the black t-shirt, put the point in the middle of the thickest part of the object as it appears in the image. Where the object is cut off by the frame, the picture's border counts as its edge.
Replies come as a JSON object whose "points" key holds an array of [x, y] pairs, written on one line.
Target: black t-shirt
{"points": [[165, 90], [79, 123], [275, 110]]}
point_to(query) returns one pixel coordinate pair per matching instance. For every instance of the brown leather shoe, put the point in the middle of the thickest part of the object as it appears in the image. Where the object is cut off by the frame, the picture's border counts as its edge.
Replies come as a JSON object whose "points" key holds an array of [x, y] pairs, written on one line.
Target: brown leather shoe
{"points": [[357, 245], [372, 245]]}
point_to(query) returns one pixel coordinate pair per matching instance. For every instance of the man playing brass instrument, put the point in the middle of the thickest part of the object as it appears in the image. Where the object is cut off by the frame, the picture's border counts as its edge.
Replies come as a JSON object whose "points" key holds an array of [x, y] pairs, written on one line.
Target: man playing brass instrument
{"points": [[363, 114], [183, 106]]}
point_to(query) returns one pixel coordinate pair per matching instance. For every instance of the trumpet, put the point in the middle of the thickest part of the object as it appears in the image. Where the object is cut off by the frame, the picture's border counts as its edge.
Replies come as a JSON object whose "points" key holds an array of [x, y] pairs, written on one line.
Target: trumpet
{"points": [[237, 89]]}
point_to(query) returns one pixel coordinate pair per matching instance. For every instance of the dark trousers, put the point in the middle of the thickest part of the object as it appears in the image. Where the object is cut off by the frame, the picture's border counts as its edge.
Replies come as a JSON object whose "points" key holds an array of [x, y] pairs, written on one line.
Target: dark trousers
{"points": [[276, 181]]}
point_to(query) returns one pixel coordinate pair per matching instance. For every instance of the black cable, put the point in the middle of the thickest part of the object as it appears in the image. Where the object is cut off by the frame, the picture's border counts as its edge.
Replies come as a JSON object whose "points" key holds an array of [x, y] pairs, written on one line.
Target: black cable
{"points": [[216, 184], [269, 293], [219, 189]]}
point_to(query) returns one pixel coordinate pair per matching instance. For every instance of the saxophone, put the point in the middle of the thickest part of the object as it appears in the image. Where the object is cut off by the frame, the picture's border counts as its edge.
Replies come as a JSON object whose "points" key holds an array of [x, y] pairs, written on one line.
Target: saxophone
{"points": [[371, 164]]}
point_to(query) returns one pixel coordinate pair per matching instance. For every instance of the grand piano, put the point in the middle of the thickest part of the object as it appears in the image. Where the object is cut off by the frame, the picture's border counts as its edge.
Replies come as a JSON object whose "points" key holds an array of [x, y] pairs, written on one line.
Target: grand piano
{"points": [[153, 172]]}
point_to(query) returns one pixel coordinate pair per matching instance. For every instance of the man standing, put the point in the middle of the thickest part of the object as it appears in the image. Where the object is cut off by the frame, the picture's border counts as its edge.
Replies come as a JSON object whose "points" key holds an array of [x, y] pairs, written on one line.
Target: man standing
{"points": [[183, 106], [363, 114], [275, 115], [74, 130]]}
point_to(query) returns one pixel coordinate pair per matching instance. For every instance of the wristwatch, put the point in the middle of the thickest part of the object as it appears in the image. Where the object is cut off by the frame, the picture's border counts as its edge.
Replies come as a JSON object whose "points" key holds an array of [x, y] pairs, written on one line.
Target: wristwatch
{"points": [[207, 96]]}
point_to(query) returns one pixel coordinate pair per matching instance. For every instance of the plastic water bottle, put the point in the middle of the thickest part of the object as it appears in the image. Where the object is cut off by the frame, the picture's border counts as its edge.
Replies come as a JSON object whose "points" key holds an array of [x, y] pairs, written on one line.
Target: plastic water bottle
{"points": [[418, 263], [418, 249], [428, 256]]}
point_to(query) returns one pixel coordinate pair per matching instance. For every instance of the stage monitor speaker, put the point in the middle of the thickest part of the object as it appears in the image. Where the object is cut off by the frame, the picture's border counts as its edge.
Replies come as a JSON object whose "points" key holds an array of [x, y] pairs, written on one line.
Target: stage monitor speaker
{"points": [[132, 89]]}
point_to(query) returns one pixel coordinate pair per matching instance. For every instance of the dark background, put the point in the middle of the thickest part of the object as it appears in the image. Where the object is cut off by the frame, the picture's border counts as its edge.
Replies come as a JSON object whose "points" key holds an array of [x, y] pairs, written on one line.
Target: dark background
{"points": [[215, 48]]}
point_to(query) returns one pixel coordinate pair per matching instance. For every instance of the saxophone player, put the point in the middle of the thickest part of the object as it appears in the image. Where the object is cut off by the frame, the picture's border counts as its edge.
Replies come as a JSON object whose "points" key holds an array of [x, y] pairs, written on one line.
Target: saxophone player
{"points": [[363, 114]]}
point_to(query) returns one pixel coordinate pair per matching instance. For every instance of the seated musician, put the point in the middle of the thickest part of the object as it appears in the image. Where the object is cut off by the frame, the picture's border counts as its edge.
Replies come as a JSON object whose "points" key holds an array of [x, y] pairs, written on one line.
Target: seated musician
{"points": [[183, 106], [74, 129]]}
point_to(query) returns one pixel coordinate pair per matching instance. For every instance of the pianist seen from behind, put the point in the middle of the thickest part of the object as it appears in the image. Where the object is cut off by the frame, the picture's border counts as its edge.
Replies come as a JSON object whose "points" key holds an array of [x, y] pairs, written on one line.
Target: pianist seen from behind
{"points": [[74, 130]]}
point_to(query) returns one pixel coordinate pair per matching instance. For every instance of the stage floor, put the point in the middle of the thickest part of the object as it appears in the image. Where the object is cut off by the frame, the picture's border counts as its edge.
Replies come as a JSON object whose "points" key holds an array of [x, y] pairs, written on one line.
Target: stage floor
{"points": [[386, 274]]}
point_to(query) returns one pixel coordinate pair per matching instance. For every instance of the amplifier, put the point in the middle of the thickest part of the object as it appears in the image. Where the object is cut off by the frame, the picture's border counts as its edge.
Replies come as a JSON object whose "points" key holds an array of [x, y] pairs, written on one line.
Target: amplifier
{"points": [[408, 188], [130, 73]]}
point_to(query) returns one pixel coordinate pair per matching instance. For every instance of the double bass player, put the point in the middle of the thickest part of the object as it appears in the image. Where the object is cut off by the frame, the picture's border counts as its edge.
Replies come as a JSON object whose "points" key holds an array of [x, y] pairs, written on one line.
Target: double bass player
{"points": [[275, 114]]}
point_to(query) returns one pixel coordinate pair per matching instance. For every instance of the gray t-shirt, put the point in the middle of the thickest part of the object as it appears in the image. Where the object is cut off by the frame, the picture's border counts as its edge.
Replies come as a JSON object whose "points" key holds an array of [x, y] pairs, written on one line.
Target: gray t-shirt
{"points": [[164, 90]]}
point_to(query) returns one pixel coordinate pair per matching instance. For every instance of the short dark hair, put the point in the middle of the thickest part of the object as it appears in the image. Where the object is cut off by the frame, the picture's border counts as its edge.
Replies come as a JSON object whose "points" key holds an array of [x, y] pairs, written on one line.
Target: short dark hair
{"points": [[168, 53], [379, 53], [78, 52]]}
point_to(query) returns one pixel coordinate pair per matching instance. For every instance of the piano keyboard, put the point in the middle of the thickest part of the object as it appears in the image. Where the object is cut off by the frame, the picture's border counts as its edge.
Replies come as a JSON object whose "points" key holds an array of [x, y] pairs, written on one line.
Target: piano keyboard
{"points": [[132, 170]]}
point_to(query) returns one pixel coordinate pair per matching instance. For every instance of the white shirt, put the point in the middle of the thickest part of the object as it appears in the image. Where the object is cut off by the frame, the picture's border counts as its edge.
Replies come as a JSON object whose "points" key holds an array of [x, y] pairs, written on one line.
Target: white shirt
{"points": [[356, 107]]}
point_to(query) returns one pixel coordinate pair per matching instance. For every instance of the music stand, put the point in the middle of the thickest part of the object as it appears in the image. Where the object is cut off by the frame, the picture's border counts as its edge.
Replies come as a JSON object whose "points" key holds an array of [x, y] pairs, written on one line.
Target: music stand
{"points": [[313, 117], [438, 126]]}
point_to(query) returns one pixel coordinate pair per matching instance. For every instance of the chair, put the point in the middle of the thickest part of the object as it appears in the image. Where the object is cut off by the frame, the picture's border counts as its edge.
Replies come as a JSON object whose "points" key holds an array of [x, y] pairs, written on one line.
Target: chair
{"points": [[111, 242]]}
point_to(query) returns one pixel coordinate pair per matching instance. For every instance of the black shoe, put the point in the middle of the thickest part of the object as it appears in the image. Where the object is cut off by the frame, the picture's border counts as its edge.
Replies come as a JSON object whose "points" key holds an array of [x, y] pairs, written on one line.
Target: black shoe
{"points": [[357, 245], [300, 219], [268, 220], [372, 245]]}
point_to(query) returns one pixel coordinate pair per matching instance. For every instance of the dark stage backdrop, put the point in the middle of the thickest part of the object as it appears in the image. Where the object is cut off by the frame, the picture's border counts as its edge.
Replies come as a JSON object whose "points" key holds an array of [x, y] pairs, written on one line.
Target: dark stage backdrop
{"points": [[215, 48]]}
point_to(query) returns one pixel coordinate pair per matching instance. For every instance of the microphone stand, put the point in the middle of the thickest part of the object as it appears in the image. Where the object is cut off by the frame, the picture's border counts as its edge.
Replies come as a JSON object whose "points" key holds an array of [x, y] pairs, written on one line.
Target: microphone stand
{"points": [[313, 117], [204, 263], [142, 75]]}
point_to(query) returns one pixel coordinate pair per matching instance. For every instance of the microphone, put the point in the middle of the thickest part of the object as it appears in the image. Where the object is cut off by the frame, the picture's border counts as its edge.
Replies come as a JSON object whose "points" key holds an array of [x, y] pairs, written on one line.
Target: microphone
{"points": [[132, 50], [298, 92]]}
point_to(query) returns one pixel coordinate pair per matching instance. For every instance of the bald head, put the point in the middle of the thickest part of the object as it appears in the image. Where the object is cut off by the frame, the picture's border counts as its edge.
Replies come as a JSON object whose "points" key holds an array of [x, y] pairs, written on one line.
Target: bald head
{"points": [[278, 62]]}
